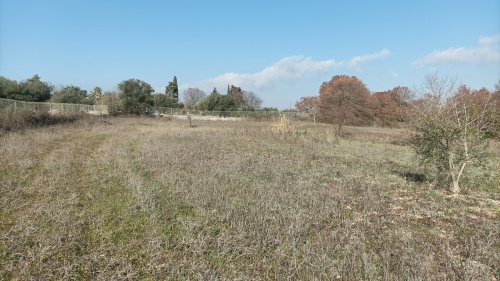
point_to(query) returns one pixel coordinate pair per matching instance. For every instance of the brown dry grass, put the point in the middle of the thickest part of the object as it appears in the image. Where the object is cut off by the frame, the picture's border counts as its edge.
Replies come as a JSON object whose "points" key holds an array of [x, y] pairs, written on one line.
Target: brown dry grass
{"points": [[146, 199], [21, 120]]}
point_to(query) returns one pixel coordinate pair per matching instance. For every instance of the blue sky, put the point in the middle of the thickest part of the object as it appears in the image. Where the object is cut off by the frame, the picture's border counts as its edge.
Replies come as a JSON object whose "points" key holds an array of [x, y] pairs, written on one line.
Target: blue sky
{"points": [[281, 50]]}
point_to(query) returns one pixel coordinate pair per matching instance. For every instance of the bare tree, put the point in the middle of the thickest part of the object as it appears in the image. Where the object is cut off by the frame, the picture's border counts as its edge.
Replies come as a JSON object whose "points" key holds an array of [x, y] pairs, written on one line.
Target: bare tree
{"points": [[192, 96], [405, 94], [450, 128], [252, 100]]}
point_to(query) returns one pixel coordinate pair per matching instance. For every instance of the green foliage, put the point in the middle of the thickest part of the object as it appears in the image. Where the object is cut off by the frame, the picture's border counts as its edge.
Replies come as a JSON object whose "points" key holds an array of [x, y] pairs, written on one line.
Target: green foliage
{"points": [[431, 140], [225, 103], [135, 96], [8, 88], [95, 95], [32, 89], [161, 100], [217, 102], [268, 109], [247, 108], [71, 94], [172, 90], [450, 130], [446, 146]]}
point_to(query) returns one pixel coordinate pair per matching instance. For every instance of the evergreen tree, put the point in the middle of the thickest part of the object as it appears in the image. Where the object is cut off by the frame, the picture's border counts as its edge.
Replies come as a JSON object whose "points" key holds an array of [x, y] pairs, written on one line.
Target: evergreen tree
{"points": [[172, 90], [217, 102], [135, 96]]}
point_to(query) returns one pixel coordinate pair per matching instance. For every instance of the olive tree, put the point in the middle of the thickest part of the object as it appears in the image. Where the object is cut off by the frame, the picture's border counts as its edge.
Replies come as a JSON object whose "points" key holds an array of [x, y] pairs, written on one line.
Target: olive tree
{"points": [[450, 129]]}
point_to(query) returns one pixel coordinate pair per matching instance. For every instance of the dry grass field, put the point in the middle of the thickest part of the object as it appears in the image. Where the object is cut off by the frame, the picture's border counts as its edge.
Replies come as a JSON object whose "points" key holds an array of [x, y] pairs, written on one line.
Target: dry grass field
{"points": [[151, 199]]}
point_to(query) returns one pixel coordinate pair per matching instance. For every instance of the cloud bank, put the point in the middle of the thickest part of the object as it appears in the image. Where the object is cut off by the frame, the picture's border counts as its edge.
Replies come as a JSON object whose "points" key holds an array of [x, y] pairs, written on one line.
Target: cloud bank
{"points": [[487, 52], [287, 69]]}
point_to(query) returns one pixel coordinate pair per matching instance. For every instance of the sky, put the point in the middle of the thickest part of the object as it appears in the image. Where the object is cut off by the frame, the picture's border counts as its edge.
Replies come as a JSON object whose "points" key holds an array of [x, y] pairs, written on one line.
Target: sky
{"points": [[281, 50]]}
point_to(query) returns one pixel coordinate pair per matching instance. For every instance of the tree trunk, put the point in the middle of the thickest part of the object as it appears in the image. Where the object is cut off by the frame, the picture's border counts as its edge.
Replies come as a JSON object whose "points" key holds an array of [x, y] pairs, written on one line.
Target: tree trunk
{"points": [[454, 187], [339, 129]]}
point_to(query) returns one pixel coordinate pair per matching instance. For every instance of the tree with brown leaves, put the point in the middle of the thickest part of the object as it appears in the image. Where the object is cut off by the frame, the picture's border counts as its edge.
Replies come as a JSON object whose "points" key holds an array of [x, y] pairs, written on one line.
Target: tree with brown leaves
{"points": [[309, 105], [390, 107], [343, 99]]}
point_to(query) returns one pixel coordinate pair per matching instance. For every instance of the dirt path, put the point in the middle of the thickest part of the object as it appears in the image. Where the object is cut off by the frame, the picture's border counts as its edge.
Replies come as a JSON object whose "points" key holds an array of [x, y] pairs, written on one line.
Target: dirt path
{"points": [[82, 205]]}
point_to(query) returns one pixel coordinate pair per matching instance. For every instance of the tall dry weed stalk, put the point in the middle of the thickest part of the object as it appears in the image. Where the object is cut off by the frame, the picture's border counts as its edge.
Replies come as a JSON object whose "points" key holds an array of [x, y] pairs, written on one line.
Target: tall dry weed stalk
{"points": [[282, 125]]}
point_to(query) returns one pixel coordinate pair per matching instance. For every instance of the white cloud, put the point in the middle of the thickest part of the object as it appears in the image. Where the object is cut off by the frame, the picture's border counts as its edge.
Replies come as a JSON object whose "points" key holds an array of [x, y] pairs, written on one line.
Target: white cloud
{"points": [[487, 52], [356, 62], [488, 41], [287, 69]]}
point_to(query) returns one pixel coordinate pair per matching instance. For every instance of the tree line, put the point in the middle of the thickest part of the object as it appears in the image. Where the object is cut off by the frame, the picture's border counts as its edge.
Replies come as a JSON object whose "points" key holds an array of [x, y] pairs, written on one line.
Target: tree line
{"points": [[450, 124], [346, 100], [132, 97]]}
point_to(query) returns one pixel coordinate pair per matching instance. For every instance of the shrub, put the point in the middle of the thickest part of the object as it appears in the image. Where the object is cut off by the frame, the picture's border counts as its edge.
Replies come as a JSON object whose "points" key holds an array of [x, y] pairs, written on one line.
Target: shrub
{"points": [[14, 121], [451, 130]]}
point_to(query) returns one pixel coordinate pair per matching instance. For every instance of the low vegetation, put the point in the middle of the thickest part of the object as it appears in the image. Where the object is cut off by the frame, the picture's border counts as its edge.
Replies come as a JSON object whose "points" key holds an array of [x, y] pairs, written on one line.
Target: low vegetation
{"points": [[451, 129], [20, 120], [150, 199]]}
